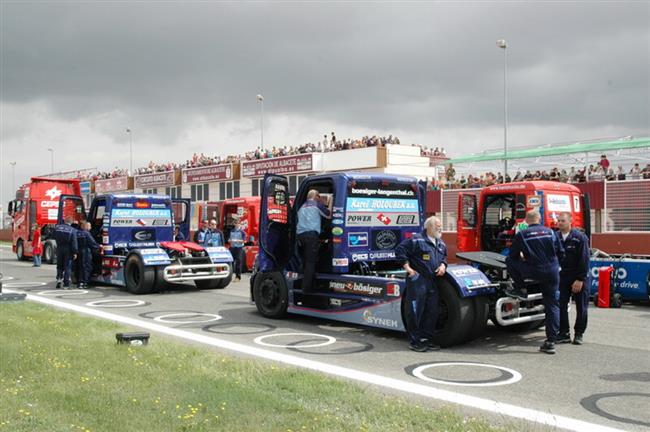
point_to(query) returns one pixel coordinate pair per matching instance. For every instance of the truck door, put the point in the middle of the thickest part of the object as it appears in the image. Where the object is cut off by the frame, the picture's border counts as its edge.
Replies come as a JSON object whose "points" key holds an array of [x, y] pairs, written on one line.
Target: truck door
{"points": [[276, 224], [71, 205], [181, 211], [467, 236]]}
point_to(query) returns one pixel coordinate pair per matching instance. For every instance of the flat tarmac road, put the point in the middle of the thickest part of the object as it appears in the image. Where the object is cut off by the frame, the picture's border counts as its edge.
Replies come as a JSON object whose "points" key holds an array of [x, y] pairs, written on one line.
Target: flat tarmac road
{"points": [[601, 385]]}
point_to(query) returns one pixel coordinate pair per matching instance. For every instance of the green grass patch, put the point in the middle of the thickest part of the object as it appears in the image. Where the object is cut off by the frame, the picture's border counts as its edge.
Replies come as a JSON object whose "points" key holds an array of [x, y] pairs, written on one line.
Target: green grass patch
{"points": [[60, 371]]}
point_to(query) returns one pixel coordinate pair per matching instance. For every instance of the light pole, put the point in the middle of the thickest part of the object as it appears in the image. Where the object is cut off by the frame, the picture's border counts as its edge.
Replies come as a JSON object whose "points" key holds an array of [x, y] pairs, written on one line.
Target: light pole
{"points": [[501, 43], [260, 98], [128, 130], [13, 176], [51, 160]]}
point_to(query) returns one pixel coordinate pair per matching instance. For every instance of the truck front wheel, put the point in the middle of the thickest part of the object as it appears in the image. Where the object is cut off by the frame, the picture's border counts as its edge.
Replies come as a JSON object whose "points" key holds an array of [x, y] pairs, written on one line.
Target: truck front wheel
{"points": [[455, 316], [138, 277], [271, 294]]}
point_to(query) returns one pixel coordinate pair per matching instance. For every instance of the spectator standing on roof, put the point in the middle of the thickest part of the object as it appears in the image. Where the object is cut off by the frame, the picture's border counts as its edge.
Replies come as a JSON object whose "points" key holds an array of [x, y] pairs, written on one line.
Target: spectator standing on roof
{"points": [[604, 163]]}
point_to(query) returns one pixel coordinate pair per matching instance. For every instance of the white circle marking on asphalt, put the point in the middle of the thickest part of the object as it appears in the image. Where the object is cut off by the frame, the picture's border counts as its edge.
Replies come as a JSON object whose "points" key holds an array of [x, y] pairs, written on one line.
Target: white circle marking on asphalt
{"points": [[23, 284], [62, 292], [418, 372], [163, 318], [330, 340], [102, 303]]}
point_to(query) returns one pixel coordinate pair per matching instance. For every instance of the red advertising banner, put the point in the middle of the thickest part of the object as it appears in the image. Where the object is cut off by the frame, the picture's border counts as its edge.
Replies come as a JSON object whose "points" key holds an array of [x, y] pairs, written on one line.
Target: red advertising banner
{"points": [[207, 174], [111, 185], [279, 165], [156, 179]]}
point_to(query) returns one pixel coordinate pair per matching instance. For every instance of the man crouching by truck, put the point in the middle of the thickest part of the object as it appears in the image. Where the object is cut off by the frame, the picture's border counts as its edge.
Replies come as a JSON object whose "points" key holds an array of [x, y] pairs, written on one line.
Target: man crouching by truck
{"points": [[425, 259]]}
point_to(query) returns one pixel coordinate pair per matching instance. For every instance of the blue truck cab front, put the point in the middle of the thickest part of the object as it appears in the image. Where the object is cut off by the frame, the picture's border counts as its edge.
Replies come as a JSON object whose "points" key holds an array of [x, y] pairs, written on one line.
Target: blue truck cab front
{"points": [[136, 234]]}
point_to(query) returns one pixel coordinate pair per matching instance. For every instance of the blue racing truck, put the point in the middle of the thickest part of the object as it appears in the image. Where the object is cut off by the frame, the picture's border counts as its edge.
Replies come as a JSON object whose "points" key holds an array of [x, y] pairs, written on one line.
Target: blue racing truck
{"points": [[358, 277], [138, 249]]}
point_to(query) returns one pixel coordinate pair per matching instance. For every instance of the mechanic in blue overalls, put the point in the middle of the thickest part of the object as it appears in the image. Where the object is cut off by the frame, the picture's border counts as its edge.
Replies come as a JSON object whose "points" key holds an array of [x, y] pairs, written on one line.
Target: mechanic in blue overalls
{"points": [[308, 231], [535, 253], [425, 259], [87, 246], [65, 236], [574, 279], [237, 239]]}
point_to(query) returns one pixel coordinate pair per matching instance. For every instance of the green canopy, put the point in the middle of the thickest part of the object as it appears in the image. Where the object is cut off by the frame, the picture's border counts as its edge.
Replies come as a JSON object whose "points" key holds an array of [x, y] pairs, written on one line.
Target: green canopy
{"points": [[565, 149]]}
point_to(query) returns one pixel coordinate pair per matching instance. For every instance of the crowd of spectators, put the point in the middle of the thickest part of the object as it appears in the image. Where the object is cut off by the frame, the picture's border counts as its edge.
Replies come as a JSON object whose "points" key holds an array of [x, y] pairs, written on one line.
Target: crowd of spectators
{"points": [[327, 144], [595, 172]]}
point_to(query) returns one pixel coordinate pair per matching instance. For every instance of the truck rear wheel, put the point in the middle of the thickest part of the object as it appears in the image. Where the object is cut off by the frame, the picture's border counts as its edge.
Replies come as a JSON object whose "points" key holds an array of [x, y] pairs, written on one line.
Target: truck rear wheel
{"points": [[20, 251], [138, 277], [456, 316], [49, 253], [271, 294]]}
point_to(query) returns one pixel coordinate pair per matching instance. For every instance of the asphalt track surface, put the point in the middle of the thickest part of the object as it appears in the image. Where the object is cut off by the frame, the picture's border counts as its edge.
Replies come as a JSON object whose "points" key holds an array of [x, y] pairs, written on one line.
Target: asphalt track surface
{"points": [[601, 385]]}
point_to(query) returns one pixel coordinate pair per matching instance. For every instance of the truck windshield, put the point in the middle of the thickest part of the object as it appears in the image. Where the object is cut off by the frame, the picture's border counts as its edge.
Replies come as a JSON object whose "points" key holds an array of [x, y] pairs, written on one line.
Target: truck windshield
{"points": [[129, 217]]}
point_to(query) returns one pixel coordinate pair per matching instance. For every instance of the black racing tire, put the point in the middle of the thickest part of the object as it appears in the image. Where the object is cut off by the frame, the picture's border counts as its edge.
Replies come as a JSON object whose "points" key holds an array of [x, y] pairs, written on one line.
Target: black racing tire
{"points": [[161, 284], [49, 252], [617, 301], [20, 251], [225, 281], [481, 314], [455, 316], [139, 279], [271, 294]]}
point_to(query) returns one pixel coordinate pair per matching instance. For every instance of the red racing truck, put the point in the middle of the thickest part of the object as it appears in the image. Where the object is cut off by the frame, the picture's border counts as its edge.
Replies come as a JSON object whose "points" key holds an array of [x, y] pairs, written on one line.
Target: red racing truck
{"points": [[37, 202]]}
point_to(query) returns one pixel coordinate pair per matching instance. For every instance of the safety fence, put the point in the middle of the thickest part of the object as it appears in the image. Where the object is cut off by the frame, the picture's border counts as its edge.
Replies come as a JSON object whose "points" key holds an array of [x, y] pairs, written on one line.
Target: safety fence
{"points": [[617, 206]]}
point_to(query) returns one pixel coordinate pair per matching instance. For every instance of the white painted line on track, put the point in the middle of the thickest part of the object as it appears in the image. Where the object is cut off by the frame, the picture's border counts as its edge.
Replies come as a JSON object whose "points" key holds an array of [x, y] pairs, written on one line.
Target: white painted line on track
{"points": [[164, 318], [489, 405], [58, 292], [515, 376], [329, 340], [24, 284]]}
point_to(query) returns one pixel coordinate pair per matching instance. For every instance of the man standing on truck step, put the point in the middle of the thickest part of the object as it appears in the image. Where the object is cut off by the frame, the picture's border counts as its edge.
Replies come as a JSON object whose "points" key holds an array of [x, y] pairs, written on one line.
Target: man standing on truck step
{"points": [[535, 253], [425, 259], [87, 246], [308, 231], [574, 279], [237, 239], [65, 236]]}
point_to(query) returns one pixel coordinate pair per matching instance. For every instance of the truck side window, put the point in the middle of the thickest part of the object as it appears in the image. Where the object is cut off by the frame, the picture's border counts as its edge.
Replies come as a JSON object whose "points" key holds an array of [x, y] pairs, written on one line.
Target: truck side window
{"points": [[277, 206], [520, 209], [469, 216]]}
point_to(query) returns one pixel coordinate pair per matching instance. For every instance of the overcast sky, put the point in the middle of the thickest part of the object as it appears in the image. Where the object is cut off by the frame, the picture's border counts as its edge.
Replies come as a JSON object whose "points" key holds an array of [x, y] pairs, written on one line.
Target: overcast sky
{"points": [[184, 76]]}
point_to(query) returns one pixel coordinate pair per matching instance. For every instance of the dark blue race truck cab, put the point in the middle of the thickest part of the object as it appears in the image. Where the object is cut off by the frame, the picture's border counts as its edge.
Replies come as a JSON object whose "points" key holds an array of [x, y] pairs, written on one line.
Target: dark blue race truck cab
{"points": [[358, 277], [138, 249]]}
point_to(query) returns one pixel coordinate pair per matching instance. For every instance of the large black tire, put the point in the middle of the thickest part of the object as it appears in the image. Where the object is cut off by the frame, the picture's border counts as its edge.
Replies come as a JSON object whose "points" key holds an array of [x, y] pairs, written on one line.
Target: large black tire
{"points": [[455, 316], [225, 281], [20, 251], [271, 294], [481, 314], [138, 277], [49, 252]]}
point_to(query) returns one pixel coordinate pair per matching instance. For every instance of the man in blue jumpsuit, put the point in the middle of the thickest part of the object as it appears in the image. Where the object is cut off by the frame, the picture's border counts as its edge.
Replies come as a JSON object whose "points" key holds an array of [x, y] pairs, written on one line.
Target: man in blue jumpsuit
{"points": [[425, 259], [308, 231], [87, 246], [535, 253], [574, 279], [65, 236], [237, 239]]}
